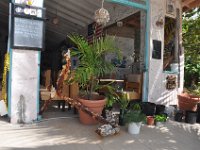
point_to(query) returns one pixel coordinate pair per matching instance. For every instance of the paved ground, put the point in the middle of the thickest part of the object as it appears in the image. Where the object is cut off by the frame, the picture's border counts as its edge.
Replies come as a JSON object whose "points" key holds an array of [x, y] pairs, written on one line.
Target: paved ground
{"points": [[69, 134]]}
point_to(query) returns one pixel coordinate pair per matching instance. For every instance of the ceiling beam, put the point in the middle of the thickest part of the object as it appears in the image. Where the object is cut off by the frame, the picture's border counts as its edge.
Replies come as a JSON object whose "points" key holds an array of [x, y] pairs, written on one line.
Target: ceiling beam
{"points": [[66, 17], [84, 7], [62, 23], [70, 15], [72, 7]]}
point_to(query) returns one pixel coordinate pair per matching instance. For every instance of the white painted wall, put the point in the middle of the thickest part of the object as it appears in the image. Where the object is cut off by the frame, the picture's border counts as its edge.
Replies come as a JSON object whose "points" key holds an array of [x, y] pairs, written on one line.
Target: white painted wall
{"points": [[157, 78], [24, 86]]}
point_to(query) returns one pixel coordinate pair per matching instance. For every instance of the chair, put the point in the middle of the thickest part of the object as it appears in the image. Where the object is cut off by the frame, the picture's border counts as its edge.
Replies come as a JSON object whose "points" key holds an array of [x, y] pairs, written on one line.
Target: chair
{"points": [[133, 86], [67, 90]]}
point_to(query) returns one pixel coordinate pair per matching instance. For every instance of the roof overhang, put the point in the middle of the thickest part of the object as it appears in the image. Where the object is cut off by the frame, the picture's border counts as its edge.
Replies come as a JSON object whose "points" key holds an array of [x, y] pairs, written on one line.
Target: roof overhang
{"points": [[190, 4]]}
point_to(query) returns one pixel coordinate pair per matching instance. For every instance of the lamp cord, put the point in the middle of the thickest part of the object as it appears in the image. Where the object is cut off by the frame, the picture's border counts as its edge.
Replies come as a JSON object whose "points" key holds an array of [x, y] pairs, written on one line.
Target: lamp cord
{"points": [[102, 3]]}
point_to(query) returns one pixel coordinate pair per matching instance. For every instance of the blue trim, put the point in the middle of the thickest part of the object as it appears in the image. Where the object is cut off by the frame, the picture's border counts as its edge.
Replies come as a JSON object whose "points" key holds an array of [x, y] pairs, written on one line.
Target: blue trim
{"points": [[38, 85], [129, 3], [171, 72], [9, 84], [10, 51], [147, 43]]}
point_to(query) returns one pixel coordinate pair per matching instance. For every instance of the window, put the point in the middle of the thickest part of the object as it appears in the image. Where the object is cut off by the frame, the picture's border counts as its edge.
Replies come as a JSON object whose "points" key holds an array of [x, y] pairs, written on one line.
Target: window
{"points": [[169, 43]]}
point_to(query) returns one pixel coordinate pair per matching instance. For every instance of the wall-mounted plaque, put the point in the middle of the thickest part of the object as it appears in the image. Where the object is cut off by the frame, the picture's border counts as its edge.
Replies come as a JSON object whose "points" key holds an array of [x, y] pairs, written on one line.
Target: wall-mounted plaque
{"points": [[171, 82], [171, 7], [156, 54]]}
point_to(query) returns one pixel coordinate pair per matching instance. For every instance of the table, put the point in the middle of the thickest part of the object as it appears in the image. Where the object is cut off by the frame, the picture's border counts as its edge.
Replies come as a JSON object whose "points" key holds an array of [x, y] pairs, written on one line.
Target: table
{"points": [[110, 80]]}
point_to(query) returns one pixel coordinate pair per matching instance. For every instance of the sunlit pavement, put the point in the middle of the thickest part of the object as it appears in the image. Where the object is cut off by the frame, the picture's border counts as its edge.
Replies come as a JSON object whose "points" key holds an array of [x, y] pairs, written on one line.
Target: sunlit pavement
{"points": [[69, 134]]}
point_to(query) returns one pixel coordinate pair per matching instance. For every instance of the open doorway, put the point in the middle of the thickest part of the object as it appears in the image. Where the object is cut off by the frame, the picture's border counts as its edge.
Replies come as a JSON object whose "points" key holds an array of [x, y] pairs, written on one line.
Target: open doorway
{"points": [[126, 23], [66, 17]]}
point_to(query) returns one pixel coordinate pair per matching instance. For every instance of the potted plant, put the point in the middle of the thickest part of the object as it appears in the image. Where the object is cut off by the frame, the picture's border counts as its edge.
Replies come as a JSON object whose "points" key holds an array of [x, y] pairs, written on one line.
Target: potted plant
{"points": [[91, 67], [123, 102], [134, 117], [150, 120], [160, 119], [111, 100]]}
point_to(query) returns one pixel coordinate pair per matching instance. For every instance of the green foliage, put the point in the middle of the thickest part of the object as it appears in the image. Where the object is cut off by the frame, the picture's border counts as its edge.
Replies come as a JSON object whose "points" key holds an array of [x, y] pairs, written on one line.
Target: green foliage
{"points": [[191, 43], [123, 101], [161, 118], [135, 115], [111, 95], [92, 64], [194, 90]]}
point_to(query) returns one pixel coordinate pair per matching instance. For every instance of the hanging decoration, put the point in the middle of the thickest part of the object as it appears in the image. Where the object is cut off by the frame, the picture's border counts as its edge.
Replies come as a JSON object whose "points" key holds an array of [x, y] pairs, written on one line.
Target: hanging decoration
{"points": [[102, 15], [4, 81]]}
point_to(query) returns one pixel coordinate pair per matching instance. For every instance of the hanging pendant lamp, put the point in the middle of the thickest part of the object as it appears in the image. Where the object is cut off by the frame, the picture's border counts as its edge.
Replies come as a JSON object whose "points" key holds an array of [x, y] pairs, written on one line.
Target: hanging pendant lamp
{"points": [[102, 15]]}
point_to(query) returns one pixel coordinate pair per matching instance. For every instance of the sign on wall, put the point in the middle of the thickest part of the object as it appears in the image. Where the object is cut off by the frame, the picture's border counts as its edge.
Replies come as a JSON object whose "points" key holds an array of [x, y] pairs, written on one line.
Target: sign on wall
{"points": [[28, 33], [27, 27], [156, 54]]}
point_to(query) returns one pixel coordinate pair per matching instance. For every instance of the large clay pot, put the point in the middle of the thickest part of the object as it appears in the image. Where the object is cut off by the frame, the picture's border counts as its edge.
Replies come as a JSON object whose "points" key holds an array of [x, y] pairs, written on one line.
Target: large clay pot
{"points": [[96, 105], [188, 102]]}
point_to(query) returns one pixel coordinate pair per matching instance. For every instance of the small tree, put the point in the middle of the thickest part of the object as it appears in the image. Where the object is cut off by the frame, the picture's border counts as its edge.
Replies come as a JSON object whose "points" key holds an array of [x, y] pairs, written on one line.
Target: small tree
{"points": [[191, 43]]}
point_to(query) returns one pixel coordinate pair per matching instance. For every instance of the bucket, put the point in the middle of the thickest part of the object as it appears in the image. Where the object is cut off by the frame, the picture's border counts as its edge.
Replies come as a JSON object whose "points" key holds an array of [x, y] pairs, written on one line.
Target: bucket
{"points": [[198, 113], [160, 109], [174, 67], [149, 109], [190, 117]]}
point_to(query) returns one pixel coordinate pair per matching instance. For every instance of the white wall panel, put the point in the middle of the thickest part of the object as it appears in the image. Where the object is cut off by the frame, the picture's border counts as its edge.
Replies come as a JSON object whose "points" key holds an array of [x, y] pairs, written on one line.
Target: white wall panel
{"points": [[24, 82]]}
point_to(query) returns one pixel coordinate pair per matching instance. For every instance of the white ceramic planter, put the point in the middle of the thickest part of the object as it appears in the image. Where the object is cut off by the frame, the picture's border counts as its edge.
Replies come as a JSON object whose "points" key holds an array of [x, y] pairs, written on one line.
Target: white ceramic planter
{"points": [[134, 128]]}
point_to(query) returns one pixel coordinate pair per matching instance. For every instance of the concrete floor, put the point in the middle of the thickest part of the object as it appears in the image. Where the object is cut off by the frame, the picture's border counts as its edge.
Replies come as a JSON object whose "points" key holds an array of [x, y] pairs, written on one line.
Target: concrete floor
{"points": [[68, 134]]}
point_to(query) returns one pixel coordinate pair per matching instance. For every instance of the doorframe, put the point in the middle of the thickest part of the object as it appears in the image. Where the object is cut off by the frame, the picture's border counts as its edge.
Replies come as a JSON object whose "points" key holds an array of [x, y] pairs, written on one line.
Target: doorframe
{"points": [[146, 8]]}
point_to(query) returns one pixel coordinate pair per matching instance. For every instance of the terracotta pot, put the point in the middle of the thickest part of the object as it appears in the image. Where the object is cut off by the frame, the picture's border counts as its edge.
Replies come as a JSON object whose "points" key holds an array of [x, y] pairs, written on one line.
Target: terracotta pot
{"points": [[188, 102], [96, 105], [150, 120]]}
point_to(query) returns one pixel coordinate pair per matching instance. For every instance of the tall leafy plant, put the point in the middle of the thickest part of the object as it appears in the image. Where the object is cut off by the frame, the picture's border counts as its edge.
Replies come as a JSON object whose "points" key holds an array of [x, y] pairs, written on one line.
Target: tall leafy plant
{"points": [[92, 64], [191, 43]]}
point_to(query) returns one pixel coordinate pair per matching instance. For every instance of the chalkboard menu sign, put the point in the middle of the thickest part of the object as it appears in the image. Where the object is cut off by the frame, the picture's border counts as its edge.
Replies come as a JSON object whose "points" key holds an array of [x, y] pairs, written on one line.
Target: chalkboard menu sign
{"points": [[27, 29], [28, 33], [156, 49]]}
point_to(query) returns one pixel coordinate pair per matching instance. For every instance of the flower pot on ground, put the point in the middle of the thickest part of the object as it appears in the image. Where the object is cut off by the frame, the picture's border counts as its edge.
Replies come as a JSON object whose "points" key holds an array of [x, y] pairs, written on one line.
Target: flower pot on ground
{"points": [[91, 66], [160, 109], [198, 113], [187, 102], [179, 116], [134, 118], [95, 105], [149, 109], [134, 127], [160, 119], [190, 117], [150, 120]]}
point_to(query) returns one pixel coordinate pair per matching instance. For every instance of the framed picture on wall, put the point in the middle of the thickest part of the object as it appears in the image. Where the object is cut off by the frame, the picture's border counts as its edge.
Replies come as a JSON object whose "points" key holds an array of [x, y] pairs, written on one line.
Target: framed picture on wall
{"points": [[171, 7]]}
